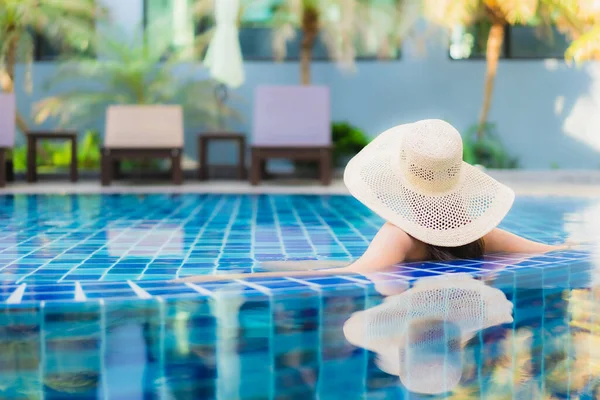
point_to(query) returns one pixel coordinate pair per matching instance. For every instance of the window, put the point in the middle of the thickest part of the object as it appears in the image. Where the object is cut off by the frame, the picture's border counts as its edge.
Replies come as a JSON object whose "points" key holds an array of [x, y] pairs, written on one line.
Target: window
{"points": [[171, 19], [520, 42]]}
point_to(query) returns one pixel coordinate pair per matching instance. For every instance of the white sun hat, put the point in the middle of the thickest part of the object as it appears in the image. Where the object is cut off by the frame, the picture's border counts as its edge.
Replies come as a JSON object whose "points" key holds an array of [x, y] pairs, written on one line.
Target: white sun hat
{"points": [[413, 176], [419, 335]]}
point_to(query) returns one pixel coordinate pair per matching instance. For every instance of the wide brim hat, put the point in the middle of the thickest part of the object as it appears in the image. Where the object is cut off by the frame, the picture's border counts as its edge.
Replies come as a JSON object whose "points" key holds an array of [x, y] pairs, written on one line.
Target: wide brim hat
{"points": [[413, 176], [418, 335]]}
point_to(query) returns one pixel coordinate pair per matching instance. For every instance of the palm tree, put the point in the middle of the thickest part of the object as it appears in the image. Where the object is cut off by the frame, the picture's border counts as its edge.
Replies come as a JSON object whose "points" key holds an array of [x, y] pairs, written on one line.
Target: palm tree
{"points": [[500, 14], [581, 19], [67, 24], [130, 72], [377, 26]]}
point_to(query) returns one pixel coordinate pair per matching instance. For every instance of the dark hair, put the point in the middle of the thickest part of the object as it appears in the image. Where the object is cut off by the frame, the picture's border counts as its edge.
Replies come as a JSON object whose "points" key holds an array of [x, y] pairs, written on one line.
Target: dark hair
{"points": [[475, 249]]}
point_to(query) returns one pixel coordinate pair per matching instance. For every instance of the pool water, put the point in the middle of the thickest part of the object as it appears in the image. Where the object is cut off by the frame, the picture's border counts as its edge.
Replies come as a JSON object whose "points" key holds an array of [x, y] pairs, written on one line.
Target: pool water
{"points": [[89, 309]]}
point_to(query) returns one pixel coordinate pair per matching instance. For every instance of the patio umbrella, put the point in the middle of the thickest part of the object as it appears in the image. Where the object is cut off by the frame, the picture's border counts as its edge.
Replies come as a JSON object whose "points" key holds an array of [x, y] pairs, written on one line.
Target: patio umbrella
{"points": [[224, 56]]}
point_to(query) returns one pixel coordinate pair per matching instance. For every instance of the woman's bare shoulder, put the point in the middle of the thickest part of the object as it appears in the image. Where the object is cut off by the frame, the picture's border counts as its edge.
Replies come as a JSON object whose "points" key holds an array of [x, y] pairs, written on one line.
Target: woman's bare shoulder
{"points": [[392, 239]]}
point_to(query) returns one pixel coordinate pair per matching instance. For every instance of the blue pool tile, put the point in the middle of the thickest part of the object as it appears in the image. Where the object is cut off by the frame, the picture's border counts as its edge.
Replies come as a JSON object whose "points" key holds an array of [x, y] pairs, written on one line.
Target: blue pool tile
{"points": [[455, 269], [150, 239], [320, 281], [280, 284], [59, 296], [416, 273]]}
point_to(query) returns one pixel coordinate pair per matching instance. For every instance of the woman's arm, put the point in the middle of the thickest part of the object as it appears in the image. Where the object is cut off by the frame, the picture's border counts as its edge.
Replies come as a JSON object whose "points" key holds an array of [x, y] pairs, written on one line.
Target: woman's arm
{"points": [[228, 277], [389, 246], [500, 241]]}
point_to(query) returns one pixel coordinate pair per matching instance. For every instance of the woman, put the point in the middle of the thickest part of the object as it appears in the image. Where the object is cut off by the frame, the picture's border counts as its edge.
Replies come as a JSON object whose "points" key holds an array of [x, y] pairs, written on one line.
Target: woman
{"points": [[437, 206]]}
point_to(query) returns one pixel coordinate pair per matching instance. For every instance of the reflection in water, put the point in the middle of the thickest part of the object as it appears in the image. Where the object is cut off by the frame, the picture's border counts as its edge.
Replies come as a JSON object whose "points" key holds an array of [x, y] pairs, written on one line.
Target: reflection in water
{"points": [[454, 337], [145, 239], [72, 357], [20, 342], [419, 335]]}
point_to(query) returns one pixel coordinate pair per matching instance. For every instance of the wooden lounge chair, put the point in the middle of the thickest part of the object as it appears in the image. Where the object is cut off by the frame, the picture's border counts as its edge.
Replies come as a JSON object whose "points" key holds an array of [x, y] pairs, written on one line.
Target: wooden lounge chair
{"points": [[142, 132], [294, 123], [7, 130]]}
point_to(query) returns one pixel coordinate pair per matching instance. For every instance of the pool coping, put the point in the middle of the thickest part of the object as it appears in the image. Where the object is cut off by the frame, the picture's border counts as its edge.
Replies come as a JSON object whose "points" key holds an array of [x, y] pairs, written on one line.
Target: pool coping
{"points": [[563, 183], [19, 296]]}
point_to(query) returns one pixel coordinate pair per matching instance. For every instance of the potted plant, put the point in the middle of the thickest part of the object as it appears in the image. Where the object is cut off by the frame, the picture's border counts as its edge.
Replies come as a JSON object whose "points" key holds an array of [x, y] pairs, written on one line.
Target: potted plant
{"points": [[487, 151], [347, 141]]}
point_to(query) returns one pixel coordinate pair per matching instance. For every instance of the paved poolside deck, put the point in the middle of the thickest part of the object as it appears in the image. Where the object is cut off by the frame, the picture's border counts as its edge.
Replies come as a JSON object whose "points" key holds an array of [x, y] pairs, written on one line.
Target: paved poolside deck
{"points": [[525, 183]]}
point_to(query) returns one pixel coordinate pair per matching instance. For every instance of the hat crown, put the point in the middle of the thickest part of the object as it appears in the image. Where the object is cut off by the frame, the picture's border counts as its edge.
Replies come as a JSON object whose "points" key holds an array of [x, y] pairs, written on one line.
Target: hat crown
{"points": [[431, 155]]}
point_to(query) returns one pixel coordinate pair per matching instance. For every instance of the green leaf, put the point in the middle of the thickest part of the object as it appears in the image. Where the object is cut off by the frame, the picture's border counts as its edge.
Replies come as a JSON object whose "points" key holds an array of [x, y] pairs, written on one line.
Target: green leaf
{"points": [[487, 151], [347, 140]]}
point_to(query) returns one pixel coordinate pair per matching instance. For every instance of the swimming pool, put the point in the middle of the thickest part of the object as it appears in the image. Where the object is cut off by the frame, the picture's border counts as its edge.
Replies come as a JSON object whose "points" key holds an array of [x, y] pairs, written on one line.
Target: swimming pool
{"points": [[88, 310]]}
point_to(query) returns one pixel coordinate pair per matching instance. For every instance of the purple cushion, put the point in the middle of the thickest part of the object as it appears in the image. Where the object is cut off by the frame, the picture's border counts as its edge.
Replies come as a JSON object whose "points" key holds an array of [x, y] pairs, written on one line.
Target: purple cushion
{"points": [[292, 116], [7, 120]]}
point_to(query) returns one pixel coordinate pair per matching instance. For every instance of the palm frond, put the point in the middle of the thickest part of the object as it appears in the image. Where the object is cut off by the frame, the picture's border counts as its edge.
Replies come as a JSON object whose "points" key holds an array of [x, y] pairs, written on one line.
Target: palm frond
{"points": [[281, 36], [88, 9], [87, 70], [586, 47], [449, 13], [76, 108], [65, 23], [134, 72], [25, 53], [202, 8], [566, 16], [518, 11], [287, 17]]}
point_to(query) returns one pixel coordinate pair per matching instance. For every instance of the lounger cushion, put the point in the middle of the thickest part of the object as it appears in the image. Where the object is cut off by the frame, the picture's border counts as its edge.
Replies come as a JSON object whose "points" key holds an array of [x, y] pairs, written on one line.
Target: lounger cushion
{"points": [[292, 116], [7, 120], [144, 126]]}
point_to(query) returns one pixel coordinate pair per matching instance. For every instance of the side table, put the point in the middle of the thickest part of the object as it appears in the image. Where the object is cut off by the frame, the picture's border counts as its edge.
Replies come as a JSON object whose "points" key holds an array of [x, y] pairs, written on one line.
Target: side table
{"points": [[204, 140], [32, 139]]}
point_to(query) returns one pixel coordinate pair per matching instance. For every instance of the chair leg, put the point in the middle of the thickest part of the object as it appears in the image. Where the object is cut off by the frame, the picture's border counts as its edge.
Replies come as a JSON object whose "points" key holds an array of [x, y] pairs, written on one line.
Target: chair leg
{"points": [[256, 168], [116, 169], [31, 159], [242, 159], [264, 174], [2, 167], [325, 166], [74, 170], [106, 168], [176, 171], [202, 159]]}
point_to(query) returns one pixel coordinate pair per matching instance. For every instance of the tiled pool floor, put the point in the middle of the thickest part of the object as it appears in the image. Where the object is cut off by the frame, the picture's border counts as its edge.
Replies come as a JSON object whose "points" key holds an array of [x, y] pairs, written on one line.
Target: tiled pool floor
{"points": [[87, 247]]}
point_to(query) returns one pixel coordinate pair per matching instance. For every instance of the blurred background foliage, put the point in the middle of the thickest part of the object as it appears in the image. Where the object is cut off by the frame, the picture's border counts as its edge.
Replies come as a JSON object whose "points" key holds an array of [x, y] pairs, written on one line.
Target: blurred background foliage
{"points": [[153, 67]]}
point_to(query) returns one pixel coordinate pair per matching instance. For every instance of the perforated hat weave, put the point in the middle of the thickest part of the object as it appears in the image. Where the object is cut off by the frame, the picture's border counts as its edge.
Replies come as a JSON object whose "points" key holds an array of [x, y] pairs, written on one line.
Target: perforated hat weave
{"points": [[419, 334], [413, 176]]}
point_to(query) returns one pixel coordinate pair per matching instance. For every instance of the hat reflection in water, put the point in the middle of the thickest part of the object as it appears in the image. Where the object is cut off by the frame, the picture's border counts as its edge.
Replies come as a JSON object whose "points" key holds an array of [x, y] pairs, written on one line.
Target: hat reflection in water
{"points": [[419, 334]]}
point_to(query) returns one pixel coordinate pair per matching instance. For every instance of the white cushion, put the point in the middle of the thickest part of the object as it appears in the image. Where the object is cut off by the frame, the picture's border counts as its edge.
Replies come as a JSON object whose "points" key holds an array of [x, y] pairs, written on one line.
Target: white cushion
{"points": [[144, 126]]}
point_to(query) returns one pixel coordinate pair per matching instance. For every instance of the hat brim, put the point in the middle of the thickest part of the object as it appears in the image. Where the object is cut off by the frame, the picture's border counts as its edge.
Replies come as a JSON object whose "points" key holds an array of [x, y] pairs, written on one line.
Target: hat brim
{"points": [[373, 178]]}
